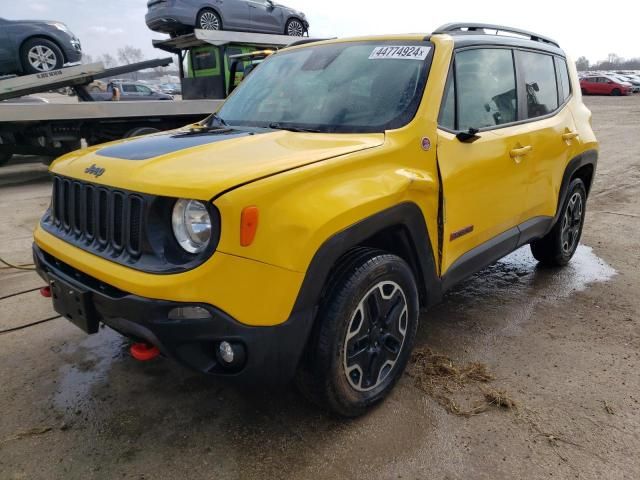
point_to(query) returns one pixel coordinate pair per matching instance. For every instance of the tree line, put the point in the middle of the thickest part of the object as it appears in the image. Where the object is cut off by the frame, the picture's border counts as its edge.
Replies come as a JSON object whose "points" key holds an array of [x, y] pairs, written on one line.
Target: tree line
{"points": [[612, 62]]}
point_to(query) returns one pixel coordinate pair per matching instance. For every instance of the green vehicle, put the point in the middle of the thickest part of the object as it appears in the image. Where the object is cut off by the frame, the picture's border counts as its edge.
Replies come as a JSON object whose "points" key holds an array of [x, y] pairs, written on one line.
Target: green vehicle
{"points": [[213, 63]]}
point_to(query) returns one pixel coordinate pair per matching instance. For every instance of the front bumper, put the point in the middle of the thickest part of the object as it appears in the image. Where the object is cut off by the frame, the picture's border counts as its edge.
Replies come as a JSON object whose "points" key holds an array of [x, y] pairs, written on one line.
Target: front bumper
{"points": [[272, 353]]}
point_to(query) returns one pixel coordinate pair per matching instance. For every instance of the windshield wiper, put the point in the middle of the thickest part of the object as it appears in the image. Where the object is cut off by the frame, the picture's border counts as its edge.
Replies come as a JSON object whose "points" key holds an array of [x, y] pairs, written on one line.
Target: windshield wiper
{"points": [[280, 126], [216, 120]]}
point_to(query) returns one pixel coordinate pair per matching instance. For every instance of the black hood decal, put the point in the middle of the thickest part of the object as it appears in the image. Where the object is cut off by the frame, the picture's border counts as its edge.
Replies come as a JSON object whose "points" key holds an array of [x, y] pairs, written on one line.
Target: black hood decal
{"points": [[152, 146]]}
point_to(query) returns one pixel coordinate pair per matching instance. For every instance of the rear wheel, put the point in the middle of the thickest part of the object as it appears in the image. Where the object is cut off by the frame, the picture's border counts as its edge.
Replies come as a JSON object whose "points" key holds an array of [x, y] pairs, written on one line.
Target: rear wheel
{"points": [[40, 55], [294, 28], [208, 20], [364, 335], [558, 246]]}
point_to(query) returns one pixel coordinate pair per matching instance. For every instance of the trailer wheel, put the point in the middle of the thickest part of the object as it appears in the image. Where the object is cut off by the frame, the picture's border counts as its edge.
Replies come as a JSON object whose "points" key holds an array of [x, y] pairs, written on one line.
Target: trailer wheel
{"points": [[137, 132], [4, 157]]}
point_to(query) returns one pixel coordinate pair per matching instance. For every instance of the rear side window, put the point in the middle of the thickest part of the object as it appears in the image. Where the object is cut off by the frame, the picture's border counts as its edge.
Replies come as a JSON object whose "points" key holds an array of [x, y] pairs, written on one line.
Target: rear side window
{"points": [[563, 79], [486, 88], [539, 75]]}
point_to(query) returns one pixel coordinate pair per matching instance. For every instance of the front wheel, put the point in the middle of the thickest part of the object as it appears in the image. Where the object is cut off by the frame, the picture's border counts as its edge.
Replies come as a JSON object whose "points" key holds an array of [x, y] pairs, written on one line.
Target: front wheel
{"points": [[209, 20], [41, 55], [558, 246], [364, 334], [294, 28], [615, 92]]}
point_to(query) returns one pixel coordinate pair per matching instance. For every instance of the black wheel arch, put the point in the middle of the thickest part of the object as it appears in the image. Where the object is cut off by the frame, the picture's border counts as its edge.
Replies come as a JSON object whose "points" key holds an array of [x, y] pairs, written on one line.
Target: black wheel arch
{"points": [[399, 230], [582, 166]]}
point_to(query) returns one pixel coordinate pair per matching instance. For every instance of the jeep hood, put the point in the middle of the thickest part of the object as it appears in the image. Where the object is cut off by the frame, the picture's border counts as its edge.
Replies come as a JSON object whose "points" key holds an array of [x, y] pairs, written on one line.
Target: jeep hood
{"points": [[203, 165]]}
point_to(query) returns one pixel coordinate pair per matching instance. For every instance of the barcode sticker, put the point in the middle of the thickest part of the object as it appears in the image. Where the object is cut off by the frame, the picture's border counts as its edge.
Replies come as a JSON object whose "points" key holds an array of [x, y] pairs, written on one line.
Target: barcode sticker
{"points": [[406, 52]]}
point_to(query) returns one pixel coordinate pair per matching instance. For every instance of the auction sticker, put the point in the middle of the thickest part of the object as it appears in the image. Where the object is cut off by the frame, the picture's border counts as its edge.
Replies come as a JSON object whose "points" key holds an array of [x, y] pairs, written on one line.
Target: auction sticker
{"points": [[403, 52]]}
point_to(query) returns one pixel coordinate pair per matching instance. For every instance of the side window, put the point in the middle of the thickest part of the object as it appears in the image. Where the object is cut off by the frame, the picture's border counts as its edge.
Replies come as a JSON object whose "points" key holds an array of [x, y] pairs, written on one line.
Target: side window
{"points": [[447, 117], [143, 89], [563, 79], [486, 88], [128, 88], [539, 76]]}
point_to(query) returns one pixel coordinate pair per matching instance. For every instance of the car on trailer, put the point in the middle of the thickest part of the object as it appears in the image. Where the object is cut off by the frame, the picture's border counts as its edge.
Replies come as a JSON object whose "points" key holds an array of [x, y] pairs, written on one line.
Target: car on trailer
{"points": [[30, 46], [260, 16]]}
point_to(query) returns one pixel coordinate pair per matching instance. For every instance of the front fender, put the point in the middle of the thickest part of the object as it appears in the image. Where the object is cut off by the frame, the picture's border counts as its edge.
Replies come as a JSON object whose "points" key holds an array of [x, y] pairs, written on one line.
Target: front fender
{"points": [[300, 209]]}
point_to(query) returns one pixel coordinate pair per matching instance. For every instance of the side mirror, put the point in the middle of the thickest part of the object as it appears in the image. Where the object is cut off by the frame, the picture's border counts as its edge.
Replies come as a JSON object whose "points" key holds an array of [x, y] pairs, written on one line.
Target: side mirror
{"points": [[270, 4]]}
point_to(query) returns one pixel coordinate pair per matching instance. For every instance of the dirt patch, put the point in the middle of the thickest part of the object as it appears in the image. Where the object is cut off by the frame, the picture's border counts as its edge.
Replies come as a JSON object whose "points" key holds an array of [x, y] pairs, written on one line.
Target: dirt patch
{"points": [[460, 389]]}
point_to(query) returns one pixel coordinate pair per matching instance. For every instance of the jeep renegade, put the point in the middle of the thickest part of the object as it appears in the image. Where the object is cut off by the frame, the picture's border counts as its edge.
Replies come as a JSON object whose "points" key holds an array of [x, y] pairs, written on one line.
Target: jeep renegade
{"points": [[342, 188]]}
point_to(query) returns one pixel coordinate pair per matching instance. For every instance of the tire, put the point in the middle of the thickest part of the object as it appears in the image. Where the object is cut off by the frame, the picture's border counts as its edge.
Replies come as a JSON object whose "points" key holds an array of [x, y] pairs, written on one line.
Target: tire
{"points": [[4, 157], [616, 92], [137, 132], [374, 290], [208, 20], [40, 55], [559, 245], [584, 92], [294, 28]]}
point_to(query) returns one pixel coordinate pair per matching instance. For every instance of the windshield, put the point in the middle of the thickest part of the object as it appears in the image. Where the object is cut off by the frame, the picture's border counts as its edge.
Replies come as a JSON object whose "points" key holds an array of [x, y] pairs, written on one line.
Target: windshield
{"points": [[346, 87]]}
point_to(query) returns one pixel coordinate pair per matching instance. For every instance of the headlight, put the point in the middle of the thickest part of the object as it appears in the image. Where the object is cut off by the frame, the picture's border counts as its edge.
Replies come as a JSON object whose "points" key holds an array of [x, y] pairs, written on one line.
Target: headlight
{"points": [[61, 26], [191, 225]]}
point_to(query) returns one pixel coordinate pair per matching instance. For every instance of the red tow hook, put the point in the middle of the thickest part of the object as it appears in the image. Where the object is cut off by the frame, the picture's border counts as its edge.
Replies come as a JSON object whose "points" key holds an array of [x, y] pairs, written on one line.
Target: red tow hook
{"points": [[143, 352], [45, 292]]}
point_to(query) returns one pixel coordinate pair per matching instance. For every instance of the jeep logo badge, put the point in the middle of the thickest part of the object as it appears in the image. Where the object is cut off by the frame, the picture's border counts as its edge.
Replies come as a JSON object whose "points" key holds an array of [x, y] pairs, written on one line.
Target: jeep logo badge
{"points": [[94, 170]]}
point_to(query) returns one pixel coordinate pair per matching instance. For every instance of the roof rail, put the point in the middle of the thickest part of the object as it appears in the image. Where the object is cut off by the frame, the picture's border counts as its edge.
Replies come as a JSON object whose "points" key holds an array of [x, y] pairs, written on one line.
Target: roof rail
{"points": [[474, 27], [305, 41]]}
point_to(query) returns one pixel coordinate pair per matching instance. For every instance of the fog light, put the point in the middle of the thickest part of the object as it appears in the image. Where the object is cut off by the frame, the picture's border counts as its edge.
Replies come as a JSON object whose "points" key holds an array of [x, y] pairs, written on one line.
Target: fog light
{"points": [[226, 352], [189, 313]]}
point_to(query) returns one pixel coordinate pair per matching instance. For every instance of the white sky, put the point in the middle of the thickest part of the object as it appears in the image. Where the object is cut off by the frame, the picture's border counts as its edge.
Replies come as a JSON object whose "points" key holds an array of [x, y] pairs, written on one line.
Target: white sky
{"points": [[581, 29]]}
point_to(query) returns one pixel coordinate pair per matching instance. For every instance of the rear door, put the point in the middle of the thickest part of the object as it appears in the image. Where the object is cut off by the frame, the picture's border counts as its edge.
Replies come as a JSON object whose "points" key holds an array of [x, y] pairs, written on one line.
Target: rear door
{"points": [[484, 181], [546, 91], [236, 14]]}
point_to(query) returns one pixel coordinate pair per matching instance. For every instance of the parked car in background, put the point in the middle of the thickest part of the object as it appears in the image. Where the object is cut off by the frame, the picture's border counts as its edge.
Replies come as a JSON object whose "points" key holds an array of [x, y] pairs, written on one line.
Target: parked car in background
{"points": [[633, 80], [131, 92], [265, 16], [604, 85], [35, 46], [171, 88]]}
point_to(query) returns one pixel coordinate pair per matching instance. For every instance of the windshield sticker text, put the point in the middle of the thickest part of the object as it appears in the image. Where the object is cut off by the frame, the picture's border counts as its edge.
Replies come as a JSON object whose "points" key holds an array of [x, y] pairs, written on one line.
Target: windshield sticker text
{"points": [[399, 52]]}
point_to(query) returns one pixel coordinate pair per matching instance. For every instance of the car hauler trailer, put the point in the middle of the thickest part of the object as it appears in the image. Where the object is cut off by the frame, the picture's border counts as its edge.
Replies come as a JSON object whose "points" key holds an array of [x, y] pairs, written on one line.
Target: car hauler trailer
{"points": [[54, 129], [208, 57]]}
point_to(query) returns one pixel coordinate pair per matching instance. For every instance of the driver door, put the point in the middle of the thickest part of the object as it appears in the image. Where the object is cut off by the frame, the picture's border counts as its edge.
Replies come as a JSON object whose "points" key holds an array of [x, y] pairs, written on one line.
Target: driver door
{"points": [[484, 179], [265, 17]]}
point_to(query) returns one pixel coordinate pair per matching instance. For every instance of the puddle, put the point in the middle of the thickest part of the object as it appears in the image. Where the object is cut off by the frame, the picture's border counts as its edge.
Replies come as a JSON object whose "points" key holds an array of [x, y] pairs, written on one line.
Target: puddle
{"points": [[88, 365], [517, 283]]}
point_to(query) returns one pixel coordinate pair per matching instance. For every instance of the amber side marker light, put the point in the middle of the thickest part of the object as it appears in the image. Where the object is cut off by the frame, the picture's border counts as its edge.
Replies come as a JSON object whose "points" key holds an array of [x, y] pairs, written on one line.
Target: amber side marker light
{"points": [[248, 225]]}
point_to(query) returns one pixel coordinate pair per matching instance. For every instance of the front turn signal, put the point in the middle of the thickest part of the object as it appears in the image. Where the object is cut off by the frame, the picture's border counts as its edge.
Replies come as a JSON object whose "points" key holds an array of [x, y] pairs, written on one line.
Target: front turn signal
{"points": [[248, 225]]}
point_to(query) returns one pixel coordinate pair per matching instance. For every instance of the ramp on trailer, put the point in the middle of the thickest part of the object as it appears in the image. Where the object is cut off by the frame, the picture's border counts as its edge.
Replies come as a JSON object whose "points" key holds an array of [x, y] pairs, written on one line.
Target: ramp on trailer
{"points": [[73, 77]]}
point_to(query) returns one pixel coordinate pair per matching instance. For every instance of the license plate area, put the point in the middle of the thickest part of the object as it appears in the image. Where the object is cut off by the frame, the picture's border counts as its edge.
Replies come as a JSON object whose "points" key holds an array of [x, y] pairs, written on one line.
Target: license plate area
{"points": [[74, 303]]}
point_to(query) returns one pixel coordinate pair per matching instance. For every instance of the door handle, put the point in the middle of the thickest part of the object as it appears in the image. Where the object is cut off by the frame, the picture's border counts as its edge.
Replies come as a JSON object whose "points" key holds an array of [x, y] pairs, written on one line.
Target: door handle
{"points": [[570, 136], [520, 152]]}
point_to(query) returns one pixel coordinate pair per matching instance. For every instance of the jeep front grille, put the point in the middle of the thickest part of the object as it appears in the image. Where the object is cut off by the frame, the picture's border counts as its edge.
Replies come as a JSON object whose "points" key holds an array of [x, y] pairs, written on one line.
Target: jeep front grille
{"points": [[101, 218]]}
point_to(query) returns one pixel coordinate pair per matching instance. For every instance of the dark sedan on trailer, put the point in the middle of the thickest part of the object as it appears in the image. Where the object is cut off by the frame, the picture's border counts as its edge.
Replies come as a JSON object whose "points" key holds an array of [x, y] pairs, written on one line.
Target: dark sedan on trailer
{"points": [[36, 46], [264, 16]]}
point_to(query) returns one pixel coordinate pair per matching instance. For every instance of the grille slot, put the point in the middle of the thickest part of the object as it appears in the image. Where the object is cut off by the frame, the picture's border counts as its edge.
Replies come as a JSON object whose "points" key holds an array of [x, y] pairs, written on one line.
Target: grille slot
{"points": [[104, 219]]}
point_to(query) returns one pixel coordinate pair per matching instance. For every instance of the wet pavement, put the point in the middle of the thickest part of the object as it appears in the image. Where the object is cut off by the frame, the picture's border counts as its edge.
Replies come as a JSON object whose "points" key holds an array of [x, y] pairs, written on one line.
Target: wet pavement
{"points": [[565, 343]]}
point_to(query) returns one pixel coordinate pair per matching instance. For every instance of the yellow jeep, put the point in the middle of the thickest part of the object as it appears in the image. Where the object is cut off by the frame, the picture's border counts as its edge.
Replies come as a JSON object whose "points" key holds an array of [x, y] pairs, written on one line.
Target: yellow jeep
{"points": [[342, 188]]}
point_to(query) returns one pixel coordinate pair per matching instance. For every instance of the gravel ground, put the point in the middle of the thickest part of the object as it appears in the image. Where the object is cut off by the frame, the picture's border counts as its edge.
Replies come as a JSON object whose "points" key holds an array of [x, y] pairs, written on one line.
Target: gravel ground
{"points": [[564, 344]]}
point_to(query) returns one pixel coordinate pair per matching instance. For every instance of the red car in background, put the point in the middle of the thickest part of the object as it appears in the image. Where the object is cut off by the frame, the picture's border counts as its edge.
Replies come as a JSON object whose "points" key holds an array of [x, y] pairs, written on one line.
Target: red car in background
{"points": [[601, 85]]}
